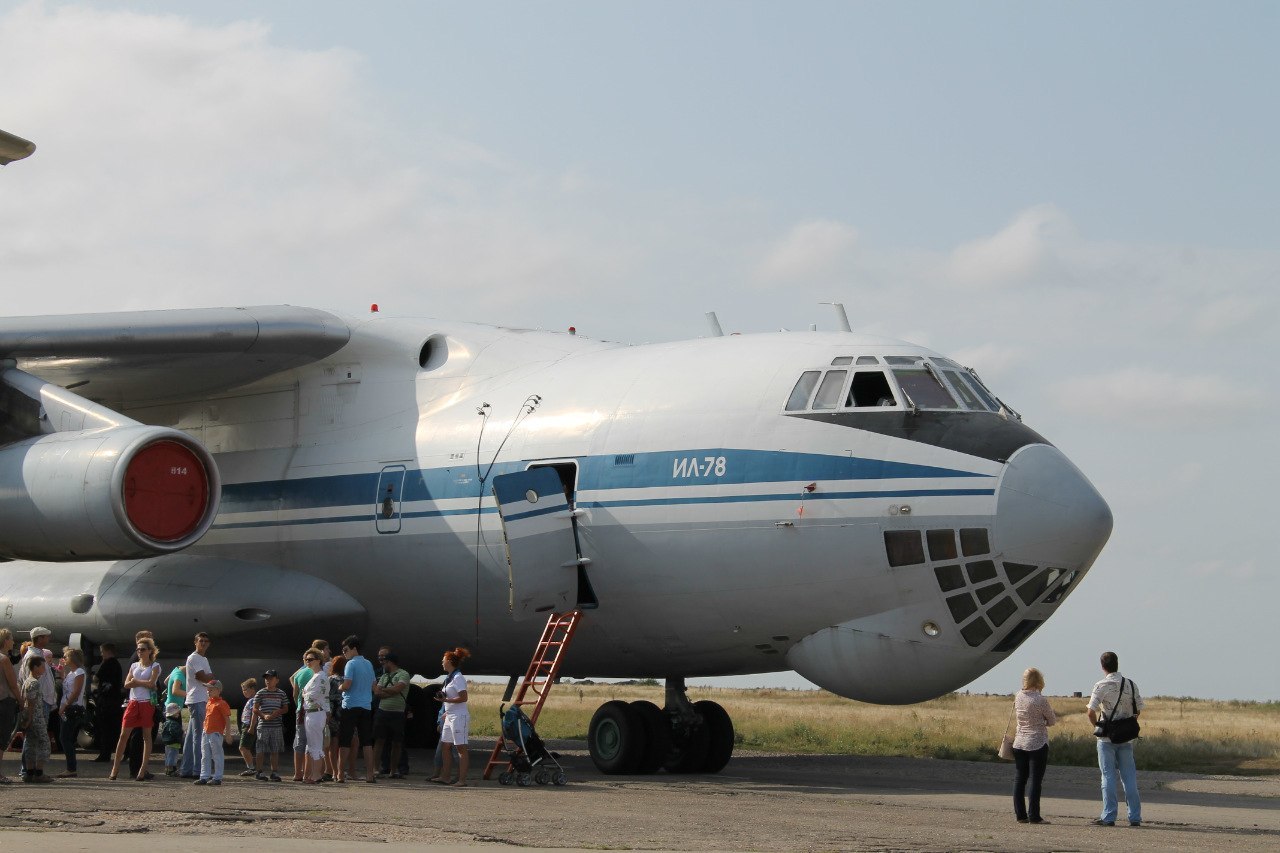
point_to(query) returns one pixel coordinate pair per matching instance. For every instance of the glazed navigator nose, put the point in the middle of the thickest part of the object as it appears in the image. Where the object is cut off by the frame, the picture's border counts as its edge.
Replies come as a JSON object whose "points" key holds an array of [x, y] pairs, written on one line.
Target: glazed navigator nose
{"points": [[1047, 512]]}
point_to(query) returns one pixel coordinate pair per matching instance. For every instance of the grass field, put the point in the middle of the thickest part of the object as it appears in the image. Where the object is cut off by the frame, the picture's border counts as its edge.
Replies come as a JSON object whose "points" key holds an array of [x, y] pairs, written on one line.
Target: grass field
{"points": [[1190, 735]]}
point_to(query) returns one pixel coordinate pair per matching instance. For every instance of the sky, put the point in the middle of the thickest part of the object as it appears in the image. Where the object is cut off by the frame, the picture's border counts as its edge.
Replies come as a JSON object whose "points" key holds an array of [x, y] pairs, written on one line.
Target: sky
{"points": [[1078, 200]]}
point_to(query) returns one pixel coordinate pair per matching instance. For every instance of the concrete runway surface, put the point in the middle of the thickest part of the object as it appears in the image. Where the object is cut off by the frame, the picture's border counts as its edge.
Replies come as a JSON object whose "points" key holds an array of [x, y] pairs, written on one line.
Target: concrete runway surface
{"points": [[760, 802]]}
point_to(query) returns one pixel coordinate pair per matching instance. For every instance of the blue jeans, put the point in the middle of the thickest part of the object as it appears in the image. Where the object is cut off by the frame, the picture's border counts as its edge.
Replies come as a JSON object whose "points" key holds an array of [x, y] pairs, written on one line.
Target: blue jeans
{"points": [[211, 767], [191, 743], [1113, 757]]}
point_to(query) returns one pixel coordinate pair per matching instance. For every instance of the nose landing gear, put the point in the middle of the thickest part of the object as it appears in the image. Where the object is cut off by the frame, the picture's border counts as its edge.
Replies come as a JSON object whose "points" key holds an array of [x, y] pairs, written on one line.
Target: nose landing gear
{"points": [[639, 737]]}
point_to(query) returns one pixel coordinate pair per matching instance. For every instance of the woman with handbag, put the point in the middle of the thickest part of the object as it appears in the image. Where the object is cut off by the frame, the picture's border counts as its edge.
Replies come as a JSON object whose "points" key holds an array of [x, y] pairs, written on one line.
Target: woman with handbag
{"points": [[71, 710], [10, 697], [1030, 746]]}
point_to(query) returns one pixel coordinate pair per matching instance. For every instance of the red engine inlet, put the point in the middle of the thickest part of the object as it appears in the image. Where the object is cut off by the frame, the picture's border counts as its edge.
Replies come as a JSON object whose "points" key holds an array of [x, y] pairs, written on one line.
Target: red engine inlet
{"points": [[166, 491]]}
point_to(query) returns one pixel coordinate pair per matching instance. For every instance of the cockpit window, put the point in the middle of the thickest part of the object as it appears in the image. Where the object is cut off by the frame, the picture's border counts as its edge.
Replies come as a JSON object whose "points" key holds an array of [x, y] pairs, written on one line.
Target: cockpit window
{"points": [[982, 392], [841, 359], [870, 388], [828, 396], [868, 359], [923, 389], [966, 393], [804, 387], [902, 359]]}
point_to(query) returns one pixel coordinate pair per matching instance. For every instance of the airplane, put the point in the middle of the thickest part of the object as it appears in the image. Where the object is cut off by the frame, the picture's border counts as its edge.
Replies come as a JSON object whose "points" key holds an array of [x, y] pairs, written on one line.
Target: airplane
{"points": [[859, 509]]}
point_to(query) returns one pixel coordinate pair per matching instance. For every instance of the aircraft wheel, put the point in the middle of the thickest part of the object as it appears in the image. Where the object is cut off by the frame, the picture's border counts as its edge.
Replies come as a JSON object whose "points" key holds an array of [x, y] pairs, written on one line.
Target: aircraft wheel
{"points": [[719, 735], [615, 738], [688, 751], [657, 736]]}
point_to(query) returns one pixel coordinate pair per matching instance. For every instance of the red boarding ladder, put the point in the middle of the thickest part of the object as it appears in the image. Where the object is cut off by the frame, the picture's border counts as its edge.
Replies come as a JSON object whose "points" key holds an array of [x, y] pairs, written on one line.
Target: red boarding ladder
{"points": [[541, 674]]}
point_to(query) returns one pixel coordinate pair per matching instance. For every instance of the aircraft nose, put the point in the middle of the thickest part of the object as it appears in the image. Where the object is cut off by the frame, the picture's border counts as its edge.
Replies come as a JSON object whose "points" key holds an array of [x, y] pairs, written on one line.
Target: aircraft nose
{"points": [[1047, 512]]}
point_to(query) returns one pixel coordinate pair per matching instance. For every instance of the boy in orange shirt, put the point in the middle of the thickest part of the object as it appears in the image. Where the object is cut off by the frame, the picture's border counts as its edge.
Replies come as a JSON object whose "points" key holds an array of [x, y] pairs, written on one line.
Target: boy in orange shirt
{"points": [[217, 730]]}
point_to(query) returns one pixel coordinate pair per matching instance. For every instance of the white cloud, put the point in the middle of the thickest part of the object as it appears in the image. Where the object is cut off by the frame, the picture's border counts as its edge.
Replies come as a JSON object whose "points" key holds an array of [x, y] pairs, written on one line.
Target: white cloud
{"points": [[1016, 253], [1156, 398], [813, 250]]}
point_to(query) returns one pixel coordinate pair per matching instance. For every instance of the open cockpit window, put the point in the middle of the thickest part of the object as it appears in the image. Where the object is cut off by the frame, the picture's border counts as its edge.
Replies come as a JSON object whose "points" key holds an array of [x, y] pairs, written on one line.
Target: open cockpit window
{"points": [[870, 389]]}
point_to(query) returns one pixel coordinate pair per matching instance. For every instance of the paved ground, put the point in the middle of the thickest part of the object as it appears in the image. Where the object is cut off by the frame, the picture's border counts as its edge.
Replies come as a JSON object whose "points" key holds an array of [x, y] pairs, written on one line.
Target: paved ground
{"points": [[760, 803]]}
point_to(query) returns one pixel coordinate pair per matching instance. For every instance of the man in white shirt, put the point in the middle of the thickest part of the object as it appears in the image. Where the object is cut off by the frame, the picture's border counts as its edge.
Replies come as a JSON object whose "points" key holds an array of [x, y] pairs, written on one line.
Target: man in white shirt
{"points": [[1115, 692], [198, 675]]}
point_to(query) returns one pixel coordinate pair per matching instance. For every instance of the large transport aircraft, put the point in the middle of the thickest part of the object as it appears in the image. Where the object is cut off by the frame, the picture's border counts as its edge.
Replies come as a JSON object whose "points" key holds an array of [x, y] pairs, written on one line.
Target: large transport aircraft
{"points": [[859, 509]]}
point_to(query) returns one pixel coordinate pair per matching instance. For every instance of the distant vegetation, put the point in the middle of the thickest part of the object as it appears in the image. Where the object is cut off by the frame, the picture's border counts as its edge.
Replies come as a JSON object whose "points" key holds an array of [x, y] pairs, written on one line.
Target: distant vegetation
{"points": [[1188, 735]]}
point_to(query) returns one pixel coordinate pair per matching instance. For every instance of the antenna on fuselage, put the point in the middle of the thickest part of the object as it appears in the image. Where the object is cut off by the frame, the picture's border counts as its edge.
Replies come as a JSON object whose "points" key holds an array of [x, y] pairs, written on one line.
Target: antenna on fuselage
{"points": [[840, 315], [714, 323]]}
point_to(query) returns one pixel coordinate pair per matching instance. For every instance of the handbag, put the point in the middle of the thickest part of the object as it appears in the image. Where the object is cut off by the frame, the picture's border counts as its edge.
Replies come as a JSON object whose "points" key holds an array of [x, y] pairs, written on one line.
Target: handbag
{"points": [[1006, 743], [1126, 728]]}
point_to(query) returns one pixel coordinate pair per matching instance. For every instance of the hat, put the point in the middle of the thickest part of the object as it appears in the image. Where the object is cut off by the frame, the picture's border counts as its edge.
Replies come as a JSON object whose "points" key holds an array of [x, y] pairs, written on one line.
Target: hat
{"points": [[214, 685], [271, 673], [391, 656], [40, 632], [173, 709]]}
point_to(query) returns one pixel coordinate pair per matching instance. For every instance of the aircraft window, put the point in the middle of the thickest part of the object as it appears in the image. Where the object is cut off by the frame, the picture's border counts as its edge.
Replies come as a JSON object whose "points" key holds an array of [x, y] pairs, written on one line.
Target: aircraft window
{"points": [[946, 363], [990, 591], [1062, 587], [829, 391], [903, 547], [962, 606], [902, 359], [963, 390], [1018, 572], [973, 541], [986, 398], [983, 570], [870, 389], [1014, 638], [949, 577], [976, 632], [924, 390], [942, 544], [1032, 589], [843, 359], [804, 387], [1001, 611], [868, 359]]}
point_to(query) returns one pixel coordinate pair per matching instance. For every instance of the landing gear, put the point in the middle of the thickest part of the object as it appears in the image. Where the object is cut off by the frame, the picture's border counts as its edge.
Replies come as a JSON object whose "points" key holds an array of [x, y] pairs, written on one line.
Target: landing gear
{"points": [[639, 737]]}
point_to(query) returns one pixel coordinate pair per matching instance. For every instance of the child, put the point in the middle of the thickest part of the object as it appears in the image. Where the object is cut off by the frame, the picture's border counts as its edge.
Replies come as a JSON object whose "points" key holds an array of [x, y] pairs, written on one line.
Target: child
{"points": [[217, 731], [248, 688], [269, 707], [171, 737]]}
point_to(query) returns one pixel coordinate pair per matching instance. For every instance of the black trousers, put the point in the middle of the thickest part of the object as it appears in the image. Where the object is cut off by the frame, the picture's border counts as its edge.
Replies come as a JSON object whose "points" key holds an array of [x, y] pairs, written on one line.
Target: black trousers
{"points": [[1030, 766], [107, 726]]}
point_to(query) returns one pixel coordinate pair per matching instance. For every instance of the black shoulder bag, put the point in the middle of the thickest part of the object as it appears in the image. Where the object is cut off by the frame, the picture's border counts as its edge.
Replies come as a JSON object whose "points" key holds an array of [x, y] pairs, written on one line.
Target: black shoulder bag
{"points": [[1126, 728]]}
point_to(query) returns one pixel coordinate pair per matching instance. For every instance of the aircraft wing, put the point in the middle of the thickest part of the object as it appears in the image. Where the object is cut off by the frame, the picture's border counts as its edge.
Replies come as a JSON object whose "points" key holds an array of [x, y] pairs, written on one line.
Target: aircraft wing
{"points": [[131, 357]]}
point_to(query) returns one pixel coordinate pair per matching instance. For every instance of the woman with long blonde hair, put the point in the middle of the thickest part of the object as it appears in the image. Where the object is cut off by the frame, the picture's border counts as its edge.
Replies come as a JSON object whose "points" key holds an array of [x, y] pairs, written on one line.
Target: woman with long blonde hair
{"points": [[140, 712]]}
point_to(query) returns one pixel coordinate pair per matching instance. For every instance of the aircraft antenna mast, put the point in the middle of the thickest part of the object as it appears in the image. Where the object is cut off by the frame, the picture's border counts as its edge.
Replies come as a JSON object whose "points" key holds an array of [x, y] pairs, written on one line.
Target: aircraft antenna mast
{"points": [[841, 316], [714, 323]]}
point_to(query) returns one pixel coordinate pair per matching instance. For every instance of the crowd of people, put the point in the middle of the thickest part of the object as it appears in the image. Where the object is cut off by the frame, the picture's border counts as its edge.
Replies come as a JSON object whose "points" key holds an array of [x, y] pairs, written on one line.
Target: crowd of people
{"points": [[1113, 701], [339, 707]]}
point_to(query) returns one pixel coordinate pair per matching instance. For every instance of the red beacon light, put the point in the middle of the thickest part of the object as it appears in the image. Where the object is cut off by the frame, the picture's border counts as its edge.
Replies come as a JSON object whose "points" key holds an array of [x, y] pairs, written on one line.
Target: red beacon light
{"points": [[573, 330], [373, 309]]}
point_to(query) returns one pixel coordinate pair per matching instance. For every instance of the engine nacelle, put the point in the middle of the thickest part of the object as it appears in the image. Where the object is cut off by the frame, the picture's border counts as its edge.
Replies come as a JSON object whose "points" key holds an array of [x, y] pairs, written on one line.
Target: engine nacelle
{"points": [[126, 491]]}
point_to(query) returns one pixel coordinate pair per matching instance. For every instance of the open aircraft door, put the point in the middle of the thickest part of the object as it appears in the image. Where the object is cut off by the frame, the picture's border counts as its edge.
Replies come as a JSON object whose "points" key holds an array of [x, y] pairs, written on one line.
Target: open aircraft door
{"points": [[543, 564]]}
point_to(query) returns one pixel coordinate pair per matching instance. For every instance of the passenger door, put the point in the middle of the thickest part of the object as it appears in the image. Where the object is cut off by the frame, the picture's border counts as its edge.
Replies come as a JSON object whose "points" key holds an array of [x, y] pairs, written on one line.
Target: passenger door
{"points": [[542, 557]]}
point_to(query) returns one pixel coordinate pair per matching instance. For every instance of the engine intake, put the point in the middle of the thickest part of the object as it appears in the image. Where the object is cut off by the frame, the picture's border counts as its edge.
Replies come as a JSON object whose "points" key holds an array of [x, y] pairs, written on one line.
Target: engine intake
{"points": [[124, 491]]}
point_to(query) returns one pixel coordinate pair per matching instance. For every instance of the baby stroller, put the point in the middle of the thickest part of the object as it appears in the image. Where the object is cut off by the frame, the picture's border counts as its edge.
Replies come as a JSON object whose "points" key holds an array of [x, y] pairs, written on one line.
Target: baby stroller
{"points": [[529, 756]]}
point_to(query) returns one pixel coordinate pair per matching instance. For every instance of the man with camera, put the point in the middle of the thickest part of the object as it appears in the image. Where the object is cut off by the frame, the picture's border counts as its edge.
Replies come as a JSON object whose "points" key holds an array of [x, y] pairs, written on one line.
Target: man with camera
{"points": [[1114, 707]]}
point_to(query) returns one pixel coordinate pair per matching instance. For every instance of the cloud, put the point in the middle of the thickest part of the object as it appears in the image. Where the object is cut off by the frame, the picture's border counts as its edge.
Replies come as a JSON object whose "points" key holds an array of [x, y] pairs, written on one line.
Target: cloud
{"points": [[1244, 570], [811, 250], [1156, 398], [990, 360], [1016, 253]]}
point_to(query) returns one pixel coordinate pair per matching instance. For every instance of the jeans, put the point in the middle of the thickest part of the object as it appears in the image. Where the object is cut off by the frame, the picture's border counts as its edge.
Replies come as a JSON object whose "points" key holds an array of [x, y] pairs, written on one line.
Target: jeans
{"points": [[213, 760], [1113, 757], [69, 729], [172, 754], [191, 743], [1030, 764]]}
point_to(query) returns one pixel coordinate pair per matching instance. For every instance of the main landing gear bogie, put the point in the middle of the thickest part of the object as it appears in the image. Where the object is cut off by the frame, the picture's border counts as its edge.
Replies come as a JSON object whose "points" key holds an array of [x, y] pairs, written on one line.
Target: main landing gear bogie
{"points": [[639, 737]]}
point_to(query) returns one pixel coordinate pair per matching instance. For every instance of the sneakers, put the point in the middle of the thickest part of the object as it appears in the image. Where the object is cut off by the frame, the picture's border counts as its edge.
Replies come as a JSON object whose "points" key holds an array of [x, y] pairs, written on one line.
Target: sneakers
{"points": [[1135, 823], [215, 781], [249, 772], [261, 777], [276, 778], [1101, 822], [201, 782], [171, 771], [1038, 820]]}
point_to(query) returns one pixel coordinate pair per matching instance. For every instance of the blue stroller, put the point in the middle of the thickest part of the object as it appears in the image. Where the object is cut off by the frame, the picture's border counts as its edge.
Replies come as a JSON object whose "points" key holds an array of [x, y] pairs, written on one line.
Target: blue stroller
{"points": [[530, 759]]}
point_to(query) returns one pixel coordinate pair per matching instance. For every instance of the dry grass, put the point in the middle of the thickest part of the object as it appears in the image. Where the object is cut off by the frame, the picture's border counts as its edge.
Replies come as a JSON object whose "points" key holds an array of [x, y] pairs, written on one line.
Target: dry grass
{"points": [[1190, 735]]}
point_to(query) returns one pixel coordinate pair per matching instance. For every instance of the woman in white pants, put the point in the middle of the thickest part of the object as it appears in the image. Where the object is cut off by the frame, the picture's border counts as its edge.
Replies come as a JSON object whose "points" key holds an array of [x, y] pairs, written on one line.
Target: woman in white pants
{"points": [[315, 701]]}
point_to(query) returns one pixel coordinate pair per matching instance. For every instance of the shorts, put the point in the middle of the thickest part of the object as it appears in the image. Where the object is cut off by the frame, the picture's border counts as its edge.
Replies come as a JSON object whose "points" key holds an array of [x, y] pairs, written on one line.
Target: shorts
{"points": [[355, 721], [248, 740], [270, 740], [388, 725], [455, 727], [140, 714]]}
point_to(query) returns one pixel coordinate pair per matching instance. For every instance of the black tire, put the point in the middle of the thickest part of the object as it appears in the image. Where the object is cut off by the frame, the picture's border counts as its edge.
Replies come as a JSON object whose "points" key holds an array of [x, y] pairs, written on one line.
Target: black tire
{"points": [[688, 751], [657, 736], [719, 735], [615, 738]]}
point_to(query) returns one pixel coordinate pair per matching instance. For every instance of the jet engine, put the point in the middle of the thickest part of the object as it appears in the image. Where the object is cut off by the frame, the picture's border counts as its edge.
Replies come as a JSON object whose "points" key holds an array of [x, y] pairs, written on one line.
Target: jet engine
{"points": [[124, 491]]}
